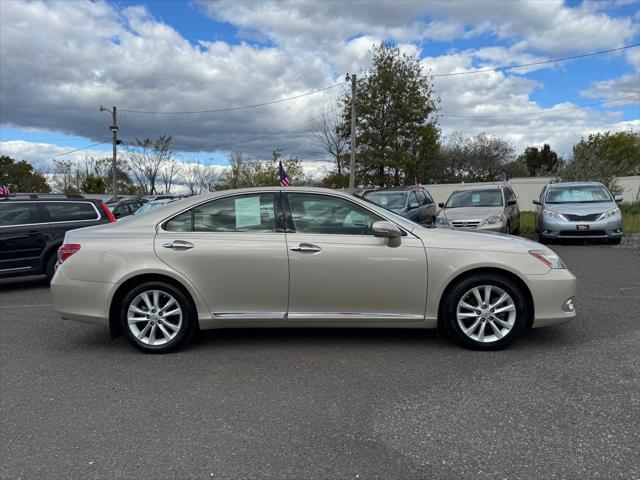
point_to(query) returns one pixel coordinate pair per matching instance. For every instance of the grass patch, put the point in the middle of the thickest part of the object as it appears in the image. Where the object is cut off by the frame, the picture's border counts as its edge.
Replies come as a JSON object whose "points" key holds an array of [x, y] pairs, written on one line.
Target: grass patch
{"points": [[527, 222], [630, 219]]}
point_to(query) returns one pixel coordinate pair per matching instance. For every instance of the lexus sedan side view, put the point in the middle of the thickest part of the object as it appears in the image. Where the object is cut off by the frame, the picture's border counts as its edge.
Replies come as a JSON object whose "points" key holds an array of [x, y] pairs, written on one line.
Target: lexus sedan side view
{"points": [[578, 210], [303, 257], [493, 208]]}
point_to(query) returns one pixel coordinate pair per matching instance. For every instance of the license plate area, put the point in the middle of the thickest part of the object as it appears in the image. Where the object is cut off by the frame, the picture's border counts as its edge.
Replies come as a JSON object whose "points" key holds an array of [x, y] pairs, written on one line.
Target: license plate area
{"points": [[582, 228]]}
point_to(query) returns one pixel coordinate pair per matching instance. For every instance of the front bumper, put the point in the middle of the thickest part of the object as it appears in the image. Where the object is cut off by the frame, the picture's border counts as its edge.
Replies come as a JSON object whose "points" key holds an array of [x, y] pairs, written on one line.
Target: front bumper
{"points": [[551, 228], [550, 293]]}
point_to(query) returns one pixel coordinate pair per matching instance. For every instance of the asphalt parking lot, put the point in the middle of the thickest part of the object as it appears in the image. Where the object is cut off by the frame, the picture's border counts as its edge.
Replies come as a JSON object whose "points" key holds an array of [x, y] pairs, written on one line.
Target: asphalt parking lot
{"points": [[560, 403]]}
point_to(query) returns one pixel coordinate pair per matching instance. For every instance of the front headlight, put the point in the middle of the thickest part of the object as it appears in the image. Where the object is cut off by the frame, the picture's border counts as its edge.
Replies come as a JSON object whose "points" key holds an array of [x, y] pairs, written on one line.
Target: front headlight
{"points": [[442, 221], [549, 258], [492, 220], [614, 212], [552, 214]]}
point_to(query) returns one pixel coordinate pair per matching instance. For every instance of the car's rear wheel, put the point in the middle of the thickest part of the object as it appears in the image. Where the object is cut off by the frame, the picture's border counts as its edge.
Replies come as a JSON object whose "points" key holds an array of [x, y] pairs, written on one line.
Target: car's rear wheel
{"points": [[50, 265], [156, 317], [485, 312]]}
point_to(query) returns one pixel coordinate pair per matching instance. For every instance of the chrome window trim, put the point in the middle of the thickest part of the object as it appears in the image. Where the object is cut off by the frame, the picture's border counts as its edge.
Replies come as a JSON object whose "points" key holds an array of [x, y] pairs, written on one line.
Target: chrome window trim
{"points": [[56, 222], [160, 229]]}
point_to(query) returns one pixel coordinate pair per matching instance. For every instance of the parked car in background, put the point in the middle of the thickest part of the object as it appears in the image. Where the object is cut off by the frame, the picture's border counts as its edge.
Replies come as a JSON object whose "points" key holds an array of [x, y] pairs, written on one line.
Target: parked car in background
{"points": [[125, 207], [578, 210], [32, 228], [151, 198], [303, 257], [491, 208], [414, 203], [155, 204]]}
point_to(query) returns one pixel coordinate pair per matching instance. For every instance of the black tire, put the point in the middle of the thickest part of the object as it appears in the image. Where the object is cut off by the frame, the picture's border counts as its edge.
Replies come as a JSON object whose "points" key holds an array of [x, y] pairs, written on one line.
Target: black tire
{"points": [[517, 231], [545, 240], [461, 289], [50, 265], [185, 330], [615, 241]]}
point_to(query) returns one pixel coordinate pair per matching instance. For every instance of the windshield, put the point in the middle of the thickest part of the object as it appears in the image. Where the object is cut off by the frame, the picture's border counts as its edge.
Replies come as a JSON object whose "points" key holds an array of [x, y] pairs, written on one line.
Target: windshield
{"points": [[475, 198], [387, 199], [405, 222], [578, 194], [149, 206]]}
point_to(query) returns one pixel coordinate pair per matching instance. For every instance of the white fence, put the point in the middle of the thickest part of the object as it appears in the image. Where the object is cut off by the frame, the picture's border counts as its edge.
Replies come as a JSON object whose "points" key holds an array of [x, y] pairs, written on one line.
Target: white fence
{"points": [[527, 189]]}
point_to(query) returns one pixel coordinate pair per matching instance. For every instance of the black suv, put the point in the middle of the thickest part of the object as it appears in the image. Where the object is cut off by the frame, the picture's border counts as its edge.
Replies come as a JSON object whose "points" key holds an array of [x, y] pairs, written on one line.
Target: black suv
{"points": [[32, 227]]}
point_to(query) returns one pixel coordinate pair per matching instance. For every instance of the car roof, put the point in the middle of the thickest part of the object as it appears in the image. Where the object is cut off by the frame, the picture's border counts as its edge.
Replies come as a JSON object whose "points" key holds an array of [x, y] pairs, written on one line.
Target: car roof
{"points": [[575, 184], [480, 187], [47, 198]]}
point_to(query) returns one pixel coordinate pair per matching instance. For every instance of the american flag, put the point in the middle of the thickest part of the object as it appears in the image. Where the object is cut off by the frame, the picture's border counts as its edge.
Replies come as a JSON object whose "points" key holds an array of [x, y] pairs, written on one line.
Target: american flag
{"points": [[4, 190], [284, 179]]}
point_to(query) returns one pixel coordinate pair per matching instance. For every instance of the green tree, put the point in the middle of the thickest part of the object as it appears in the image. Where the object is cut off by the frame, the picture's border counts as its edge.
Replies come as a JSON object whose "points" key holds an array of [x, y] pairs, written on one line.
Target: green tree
{"points": [[252, 173], [604, 156], [542, 161], [21, 177], [396, 126], [481, 158]]}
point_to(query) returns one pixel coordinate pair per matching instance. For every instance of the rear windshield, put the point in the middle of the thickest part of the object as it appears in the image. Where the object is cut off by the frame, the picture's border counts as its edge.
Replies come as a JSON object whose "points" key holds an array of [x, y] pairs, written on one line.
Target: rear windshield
{"points": [[475, 198], [17, 213], [387, 199], [71, 211], [579, 194]]}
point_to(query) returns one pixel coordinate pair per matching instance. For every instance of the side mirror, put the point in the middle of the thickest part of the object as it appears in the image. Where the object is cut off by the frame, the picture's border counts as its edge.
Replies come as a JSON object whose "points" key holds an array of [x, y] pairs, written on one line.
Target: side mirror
{"points": [[413, 205], [618, 198], [441, 204], [536, 201], [388, 230], [511, 202]]}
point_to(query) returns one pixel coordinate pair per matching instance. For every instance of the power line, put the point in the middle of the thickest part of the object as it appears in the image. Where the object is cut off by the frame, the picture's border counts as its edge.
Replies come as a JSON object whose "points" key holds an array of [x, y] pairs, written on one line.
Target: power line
{"points": [[542, 62], [78, 149], [230, 109], [545, 112], [450, 74], [253, 139]]}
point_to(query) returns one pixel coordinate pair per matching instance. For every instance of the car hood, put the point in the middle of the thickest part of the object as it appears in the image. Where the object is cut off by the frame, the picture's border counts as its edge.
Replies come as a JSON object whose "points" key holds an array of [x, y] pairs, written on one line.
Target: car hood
{"points": [[580, 208], [458, 239], [471, 213]]}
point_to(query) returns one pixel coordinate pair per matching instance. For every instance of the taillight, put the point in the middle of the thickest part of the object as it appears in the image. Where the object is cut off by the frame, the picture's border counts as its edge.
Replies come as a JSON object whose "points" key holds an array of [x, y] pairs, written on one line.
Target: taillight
{"points": [[107, 212], [66, 250]]}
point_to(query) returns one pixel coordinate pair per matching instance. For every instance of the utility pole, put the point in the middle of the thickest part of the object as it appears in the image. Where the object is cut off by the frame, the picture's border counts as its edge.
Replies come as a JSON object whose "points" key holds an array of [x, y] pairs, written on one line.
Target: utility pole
{"points": [[114, 165], [352, 163]]}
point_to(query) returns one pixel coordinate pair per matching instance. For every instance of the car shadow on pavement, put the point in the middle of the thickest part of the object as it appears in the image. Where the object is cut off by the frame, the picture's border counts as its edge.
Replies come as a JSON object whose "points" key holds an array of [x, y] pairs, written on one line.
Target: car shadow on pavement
{"points": [[23, 283]]}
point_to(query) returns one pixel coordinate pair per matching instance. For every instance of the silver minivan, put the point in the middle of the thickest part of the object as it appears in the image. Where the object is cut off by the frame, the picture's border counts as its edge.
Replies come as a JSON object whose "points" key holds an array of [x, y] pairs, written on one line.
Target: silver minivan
{"points": [[578, 210], [491, 208]]}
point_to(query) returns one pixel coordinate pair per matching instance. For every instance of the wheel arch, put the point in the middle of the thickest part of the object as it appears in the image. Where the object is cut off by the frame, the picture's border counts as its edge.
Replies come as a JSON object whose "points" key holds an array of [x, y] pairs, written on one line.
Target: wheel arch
{"points": [[115, 328], [495, 271]]}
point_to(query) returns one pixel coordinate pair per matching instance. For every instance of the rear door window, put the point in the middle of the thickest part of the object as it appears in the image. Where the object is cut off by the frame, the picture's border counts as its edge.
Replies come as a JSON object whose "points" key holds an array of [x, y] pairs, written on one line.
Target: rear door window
{"points": [[71, 211], [19, 213]]}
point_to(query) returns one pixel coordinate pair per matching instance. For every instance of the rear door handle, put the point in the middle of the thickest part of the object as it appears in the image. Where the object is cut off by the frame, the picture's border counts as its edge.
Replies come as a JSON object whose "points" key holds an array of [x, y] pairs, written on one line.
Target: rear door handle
{"points": [[306, 248], [178, 245]]}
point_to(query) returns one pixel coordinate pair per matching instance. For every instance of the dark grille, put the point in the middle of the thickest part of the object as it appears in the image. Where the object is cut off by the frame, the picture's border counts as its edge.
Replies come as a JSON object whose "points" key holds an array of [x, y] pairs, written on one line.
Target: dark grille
{"points": [[582, 218], [583, 233]]}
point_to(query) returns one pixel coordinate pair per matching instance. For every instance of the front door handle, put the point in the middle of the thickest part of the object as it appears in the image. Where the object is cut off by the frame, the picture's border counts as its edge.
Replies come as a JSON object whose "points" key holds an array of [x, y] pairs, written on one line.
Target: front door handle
{"points": [[306, 248], [178, 245]]}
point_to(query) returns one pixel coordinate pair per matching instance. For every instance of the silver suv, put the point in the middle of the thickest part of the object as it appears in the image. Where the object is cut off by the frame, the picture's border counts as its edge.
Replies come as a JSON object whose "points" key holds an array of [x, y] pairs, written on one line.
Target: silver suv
{"points": [[578, 210], [491, 208]]}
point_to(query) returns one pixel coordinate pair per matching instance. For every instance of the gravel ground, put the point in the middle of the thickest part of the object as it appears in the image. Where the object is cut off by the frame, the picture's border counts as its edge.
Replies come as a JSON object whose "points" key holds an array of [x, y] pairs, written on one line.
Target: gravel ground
{"points": [[562, 402]]}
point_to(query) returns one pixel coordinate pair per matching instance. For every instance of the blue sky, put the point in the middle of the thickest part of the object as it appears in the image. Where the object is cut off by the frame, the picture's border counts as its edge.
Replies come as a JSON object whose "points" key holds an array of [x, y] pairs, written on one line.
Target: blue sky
{"points": [[61, 60]]}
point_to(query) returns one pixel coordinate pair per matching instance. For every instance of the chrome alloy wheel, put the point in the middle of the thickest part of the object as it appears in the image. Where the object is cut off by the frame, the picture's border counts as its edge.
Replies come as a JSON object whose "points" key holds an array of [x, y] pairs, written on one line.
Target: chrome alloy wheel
{"points": [[486, 313], [154, 317]]}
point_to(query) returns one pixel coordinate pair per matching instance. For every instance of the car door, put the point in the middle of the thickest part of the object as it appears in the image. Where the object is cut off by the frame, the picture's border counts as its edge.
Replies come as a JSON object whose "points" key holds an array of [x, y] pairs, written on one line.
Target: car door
{"points": [[340, 272], [430, 207], [23, 237], [413, 207], [232, 251]]}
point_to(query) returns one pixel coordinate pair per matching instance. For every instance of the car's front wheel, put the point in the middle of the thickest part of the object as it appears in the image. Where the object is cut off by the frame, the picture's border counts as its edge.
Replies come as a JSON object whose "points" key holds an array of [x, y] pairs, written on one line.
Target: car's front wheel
{"points": [[156, 317], [485, 312]]}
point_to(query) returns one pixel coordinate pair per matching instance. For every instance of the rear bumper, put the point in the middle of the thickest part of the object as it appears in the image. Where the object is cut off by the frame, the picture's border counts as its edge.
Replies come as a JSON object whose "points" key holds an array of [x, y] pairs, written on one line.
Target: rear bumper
{"points": [[550, 293], [81, 300]]}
